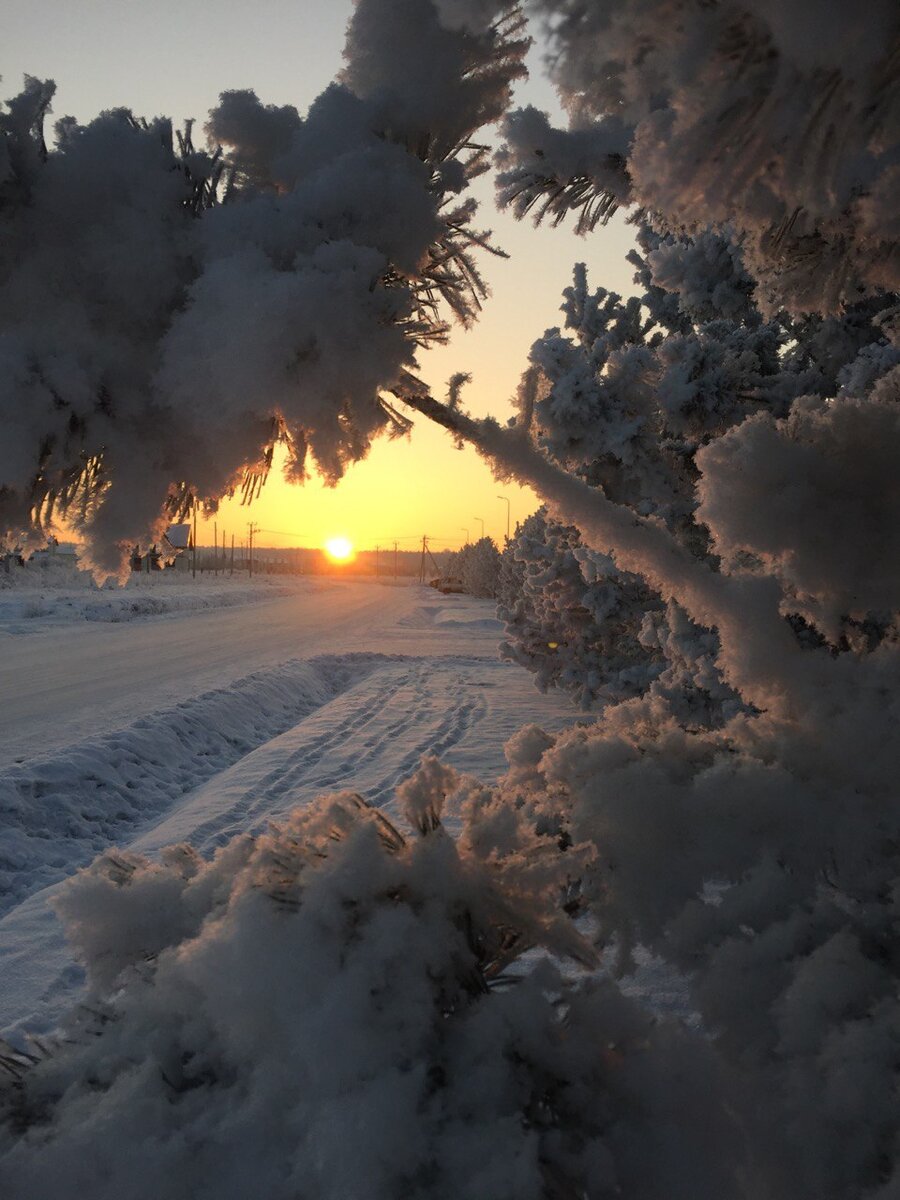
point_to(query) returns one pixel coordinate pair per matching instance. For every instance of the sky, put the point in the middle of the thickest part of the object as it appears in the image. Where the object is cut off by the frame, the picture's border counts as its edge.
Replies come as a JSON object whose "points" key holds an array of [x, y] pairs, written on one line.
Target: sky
{"points": [[173, 59]]}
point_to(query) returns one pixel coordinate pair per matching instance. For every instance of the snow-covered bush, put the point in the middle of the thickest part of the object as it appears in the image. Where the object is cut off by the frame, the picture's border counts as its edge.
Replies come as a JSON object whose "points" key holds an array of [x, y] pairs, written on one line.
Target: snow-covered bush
{"points": [[329, 1009], [477, 565], [762, 860], [748, 472], [740, 464]]}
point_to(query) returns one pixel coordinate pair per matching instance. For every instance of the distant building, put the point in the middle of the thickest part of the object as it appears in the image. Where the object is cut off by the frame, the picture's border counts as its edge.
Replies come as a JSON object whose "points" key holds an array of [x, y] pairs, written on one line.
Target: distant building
{"points": [[57, 554], [177, 537], [169, 553], [175, 544]]}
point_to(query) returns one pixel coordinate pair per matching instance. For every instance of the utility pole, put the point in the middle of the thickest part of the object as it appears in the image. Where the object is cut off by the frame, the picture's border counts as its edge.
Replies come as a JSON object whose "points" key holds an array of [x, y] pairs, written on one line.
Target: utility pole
{"points": [[422, 564], [232, 554], [482, 526], [506, 498], [395, 562], [251, 526], [194, 542], [216, 548]]}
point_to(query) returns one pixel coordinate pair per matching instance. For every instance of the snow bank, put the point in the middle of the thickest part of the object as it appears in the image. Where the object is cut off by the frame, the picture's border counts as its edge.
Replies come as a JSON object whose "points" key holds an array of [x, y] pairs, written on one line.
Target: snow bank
{"points": [[458, 614], [33, 599], [58, 812]]}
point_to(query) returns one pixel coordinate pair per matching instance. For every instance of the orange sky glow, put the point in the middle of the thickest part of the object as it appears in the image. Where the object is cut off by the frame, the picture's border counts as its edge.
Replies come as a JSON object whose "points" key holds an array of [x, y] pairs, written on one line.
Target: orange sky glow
{"points": [[422, 484]]}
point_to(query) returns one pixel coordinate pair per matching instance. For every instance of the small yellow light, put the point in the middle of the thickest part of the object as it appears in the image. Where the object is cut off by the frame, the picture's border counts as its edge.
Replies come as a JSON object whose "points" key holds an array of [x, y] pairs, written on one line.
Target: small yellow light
{"points": [[553, 645]]}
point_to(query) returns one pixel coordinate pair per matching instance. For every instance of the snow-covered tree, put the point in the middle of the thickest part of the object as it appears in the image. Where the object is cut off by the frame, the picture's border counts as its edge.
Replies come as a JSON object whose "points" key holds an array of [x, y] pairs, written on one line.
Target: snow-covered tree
{"points": [[739, 464], [771, 452], [168, 313], [579, 635], [477, 565], [626, 397]]}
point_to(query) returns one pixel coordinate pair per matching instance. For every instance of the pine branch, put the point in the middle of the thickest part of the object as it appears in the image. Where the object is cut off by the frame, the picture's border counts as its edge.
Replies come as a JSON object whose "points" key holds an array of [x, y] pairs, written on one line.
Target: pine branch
{"points": [[761, 658]]}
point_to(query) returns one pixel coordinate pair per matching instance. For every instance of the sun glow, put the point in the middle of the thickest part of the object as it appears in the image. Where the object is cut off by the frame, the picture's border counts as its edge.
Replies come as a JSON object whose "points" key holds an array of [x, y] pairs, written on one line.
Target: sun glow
{"points": [[339, 549]]}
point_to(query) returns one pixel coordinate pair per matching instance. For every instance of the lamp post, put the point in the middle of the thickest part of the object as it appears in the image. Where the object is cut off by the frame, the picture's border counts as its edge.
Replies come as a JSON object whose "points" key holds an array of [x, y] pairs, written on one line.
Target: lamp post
{"points": [[466, 532], [506, 498], [482, 525]]}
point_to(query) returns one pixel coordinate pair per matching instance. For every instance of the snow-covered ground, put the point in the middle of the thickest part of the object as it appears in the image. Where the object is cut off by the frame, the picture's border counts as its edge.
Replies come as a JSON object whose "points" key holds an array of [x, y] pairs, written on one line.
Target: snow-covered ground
{"points": [[34, 599], [70, 677], [210, 720]]}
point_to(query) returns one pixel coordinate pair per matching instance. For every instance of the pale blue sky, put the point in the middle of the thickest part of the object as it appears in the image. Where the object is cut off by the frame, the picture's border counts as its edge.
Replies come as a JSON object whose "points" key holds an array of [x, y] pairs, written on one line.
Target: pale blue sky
{"points": [[172, 57]]}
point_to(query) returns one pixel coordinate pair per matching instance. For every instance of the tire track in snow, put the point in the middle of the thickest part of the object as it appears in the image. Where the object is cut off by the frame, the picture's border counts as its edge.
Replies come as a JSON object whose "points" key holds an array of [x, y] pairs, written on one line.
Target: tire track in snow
{"points": [[462, 720], [439, 727], [283, 779], [372, 712], [417, 711], [455, 724], [293, 772], [397, 715]]}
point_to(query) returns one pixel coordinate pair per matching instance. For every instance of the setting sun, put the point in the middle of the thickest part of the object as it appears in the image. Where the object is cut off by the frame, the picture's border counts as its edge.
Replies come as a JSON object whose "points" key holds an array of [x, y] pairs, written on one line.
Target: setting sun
{"points": [[339, 549]]}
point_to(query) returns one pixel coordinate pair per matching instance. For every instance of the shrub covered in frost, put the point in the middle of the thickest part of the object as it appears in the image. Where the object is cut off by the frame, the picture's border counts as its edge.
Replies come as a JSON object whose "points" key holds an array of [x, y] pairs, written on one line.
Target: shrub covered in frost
{"points": [[679, 403], [478, 566], [762, 860], [753, 843], [571, 618], [739, 464], [328, 1010]]}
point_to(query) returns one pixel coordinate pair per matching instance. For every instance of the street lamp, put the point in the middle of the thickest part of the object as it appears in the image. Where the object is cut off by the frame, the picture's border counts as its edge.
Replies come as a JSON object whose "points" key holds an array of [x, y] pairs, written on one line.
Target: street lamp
{"points": [[506, 498], [466, 532], [482, 524]]}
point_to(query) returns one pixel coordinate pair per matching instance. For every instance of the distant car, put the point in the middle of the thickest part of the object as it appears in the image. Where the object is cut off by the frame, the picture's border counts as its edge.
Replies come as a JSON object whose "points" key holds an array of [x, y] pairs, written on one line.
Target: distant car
{"points": [[447, 584]]}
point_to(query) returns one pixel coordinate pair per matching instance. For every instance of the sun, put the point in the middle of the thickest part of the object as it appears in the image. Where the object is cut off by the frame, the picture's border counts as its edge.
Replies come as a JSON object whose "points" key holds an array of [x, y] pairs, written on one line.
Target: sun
{"points": [[339, 549]]}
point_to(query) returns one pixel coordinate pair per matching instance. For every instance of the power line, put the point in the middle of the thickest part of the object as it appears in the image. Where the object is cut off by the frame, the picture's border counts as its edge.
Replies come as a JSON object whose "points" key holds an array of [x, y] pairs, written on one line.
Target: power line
{"points": [[391, 537], [284, 533]]}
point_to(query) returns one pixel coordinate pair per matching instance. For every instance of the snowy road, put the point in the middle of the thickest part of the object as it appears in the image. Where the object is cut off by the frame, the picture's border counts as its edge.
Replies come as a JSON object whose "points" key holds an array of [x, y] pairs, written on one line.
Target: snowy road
{"points": [[61, 685], [198, 725]]}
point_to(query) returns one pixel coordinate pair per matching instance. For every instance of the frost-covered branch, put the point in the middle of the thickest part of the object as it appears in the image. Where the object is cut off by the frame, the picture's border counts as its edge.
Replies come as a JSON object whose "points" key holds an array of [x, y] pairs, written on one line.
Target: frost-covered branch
{"points": [[778, 120], [760, 656], [167, 313]]}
